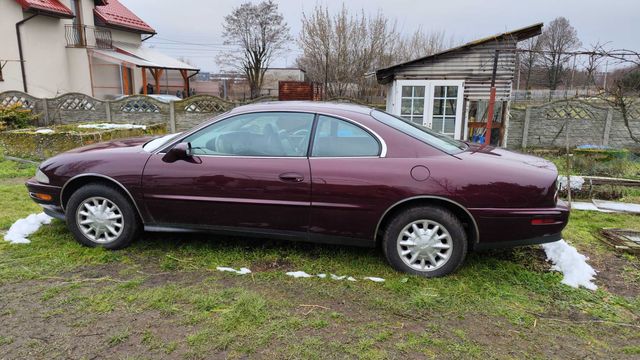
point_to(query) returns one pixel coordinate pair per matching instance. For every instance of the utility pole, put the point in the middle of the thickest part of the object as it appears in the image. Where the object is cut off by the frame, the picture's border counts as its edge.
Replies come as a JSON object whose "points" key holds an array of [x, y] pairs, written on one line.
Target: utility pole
{"points": [[606, 72], [518, 69], [492, 100], [573, 71]]}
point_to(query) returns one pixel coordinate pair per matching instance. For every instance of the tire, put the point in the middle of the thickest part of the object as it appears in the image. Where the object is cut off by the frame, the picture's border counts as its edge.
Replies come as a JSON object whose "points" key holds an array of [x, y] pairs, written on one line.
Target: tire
{"points": [[425, 245], [111, 208]]}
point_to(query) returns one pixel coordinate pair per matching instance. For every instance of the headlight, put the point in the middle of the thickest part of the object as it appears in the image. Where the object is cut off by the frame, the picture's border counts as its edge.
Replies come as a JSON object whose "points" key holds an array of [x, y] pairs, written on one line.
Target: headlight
{"points": [[41, 177]]}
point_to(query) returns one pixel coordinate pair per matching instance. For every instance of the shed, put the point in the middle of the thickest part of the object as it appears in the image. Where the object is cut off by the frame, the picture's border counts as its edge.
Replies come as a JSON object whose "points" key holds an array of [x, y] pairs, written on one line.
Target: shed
{"points": [[449, 91]]}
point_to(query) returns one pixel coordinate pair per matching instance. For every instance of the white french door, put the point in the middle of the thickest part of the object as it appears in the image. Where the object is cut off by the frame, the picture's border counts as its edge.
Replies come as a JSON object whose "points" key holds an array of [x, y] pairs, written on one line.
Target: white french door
{"points": [[436, 104]]}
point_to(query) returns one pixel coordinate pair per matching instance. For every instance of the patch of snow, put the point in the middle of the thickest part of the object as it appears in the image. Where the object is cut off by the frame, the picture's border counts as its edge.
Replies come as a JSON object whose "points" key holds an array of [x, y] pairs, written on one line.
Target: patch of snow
{"points": [[374, 279], [579, 205], [108, 126], [617, 206], [322, 276], [44, 131], [573, 265], [336, 277], [299, 274], [576, 182], [242, 271], [351, 278], [21, 229]]}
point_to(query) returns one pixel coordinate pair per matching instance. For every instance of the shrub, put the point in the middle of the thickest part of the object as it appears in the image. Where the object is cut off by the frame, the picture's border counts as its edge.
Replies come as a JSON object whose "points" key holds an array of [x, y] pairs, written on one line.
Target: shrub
{"points": [[588, 165], [603, 154], [16, 117]]}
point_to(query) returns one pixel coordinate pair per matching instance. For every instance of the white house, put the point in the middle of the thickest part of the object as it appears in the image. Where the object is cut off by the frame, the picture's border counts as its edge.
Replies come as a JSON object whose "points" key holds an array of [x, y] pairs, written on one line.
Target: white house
{"points": [[449, 91], [95, 47]]}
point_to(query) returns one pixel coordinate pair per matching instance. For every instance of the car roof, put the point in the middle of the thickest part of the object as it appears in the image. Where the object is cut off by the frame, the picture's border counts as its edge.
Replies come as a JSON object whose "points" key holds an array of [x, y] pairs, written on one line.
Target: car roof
{"points": [[321, 106]]}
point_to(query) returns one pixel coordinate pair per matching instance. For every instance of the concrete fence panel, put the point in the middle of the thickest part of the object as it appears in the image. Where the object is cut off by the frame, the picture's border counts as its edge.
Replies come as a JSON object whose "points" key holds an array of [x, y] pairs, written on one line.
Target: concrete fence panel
{"points": [[74, 108], [590, 123], [197, 109]]}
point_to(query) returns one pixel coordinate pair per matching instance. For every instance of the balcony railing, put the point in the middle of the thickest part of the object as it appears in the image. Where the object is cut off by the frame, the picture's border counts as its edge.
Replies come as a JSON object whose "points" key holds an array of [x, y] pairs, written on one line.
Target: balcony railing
{"points": [[84, 36]]}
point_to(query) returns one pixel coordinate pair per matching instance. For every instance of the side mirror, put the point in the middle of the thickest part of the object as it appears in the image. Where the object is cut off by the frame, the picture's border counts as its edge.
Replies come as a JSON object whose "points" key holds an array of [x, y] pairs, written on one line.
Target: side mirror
{"points": [[181, 151]]}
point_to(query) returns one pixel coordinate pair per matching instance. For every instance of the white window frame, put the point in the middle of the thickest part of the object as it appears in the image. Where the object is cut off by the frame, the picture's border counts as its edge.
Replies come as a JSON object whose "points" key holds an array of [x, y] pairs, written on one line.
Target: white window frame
{"points": [[429, 95]]}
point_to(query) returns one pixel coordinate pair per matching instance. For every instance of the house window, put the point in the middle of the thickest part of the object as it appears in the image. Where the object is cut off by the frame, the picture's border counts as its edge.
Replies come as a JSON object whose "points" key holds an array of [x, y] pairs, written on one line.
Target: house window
{"points": [[445, 103], [436, 104], [412, 103]]}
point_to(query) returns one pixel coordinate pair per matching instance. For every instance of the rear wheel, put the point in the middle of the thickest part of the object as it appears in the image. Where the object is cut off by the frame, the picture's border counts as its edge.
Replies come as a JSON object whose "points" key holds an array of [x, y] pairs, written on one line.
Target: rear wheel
{"points": [[100, 215], [427, 241]]}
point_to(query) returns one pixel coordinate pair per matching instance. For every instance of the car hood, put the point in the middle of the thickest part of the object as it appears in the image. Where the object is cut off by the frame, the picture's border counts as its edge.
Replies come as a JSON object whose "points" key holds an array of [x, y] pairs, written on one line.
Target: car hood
{"points": [[119, 145], [122, 156]]}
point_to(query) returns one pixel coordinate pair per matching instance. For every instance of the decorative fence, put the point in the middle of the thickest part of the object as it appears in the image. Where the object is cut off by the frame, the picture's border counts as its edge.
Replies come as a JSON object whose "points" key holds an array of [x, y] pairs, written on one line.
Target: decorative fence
{"points": [[138, 109], [529, 126], [550, 95], [576, 121]]}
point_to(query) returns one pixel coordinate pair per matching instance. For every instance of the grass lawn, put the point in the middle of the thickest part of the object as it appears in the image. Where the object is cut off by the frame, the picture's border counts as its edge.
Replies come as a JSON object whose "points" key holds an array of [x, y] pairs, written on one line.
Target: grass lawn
{"points": [[163, 298]]}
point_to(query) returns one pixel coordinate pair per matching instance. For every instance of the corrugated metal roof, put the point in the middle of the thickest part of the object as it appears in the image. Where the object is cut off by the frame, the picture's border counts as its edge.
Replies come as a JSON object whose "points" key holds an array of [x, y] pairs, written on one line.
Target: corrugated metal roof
{"points": [[386, 74], [51, 7], [116, 57], [117, 15], [157, 59], [130, 54]]}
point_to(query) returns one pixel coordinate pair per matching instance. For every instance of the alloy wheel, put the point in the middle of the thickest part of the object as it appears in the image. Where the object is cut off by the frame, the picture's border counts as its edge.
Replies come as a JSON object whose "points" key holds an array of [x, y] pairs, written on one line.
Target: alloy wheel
{"points": [[424, 245], [100, 220]]}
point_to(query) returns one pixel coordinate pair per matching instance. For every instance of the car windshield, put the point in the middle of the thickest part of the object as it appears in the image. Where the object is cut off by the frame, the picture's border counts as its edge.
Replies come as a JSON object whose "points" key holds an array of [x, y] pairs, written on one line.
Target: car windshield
{"points": [[421, 133]]}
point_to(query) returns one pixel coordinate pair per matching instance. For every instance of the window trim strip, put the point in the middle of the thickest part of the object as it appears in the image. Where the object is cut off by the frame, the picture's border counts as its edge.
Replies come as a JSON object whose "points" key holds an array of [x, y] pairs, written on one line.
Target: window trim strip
{"points": [[382, 143]]}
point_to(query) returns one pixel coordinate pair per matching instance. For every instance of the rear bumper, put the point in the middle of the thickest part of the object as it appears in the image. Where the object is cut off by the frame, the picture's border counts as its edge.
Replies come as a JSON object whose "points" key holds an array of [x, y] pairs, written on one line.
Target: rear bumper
{"points": [[500, 228], [524, 242]]}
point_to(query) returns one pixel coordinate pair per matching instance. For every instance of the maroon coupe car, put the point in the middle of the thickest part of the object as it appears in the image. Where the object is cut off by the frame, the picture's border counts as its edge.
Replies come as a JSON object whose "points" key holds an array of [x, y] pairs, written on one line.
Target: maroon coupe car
{"points": [[321, 172]]}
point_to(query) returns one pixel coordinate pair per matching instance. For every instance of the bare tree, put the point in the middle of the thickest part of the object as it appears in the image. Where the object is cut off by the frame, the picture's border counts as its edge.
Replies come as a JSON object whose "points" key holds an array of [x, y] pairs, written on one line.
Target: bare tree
{"points": [[591, 64], [419, 44], [623, 94], [557, 39], [261, 33], [529, 57], [340, 49]]}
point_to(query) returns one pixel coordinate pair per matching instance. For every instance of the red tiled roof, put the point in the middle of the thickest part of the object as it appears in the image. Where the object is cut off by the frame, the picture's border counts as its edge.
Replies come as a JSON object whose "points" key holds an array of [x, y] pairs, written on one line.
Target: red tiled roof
{"points": [[116, 14], [53, 7]]}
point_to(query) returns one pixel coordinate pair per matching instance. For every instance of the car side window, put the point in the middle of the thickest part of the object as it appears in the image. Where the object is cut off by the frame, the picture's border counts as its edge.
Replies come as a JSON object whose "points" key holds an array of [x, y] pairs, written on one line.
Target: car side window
{"points": [[281, 134], [339, 138]]}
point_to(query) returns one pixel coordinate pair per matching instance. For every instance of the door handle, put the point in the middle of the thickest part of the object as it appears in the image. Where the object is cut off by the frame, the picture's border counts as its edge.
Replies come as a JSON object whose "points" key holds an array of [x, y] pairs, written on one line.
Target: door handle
{"points": [[291, 177]]}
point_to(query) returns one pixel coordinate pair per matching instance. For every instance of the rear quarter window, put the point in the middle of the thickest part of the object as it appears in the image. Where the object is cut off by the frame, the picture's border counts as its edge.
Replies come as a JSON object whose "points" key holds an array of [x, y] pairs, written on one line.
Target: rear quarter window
{"points": [[339, 138]]}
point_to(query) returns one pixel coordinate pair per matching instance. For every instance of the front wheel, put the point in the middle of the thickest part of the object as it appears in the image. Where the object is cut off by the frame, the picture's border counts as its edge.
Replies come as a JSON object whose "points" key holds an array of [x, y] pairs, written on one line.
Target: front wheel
{"points": [[100, 215], [427, 241]]}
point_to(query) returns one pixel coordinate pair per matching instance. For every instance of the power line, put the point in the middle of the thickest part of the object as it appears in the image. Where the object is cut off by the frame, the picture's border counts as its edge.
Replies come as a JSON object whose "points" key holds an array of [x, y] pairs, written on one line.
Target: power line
{"points": [[192, 43]]}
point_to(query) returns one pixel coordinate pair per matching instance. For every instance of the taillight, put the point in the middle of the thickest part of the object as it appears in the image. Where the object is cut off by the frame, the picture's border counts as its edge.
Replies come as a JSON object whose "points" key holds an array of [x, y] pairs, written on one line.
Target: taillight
{"points": [[544, 221]]}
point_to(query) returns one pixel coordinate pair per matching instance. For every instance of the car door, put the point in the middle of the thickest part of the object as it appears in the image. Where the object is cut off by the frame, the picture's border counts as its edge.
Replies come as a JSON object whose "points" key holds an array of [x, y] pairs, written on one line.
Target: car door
{"points": [[247, 172], [345, 158]]}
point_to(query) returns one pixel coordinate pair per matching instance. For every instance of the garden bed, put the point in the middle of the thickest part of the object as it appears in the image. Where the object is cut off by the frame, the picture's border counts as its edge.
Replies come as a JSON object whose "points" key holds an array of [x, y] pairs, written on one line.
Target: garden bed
{"points": [[41, 143]]}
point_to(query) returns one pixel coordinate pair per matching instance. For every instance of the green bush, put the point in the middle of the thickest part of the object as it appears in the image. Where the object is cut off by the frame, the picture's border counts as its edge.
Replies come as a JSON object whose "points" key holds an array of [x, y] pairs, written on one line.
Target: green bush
{"points": [[16, 117], [588, 165], [603, 154]]}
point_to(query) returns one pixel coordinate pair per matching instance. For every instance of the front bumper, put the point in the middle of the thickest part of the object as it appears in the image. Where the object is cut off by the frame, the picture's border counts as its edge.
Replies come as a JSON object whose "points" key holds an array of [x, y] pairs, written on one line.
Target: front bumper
{"points": [[500, 228], [51, 207]]}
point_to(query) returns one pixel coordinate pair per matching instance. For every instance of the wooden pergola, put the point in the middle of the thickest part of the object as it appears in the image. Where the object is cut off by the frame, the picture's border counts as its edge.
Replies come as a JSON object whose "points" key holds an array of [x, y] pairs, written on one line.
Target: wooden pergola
{"points": [[158, 64], [157, 72]]}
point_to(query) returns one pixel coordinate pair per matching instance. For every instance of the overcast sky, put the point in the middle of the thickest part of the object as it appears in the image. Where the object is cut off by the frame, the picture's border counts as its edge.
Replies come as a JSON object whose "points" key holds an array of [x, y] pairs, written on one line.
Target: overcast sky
{"points": [[200, 21]]}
